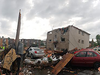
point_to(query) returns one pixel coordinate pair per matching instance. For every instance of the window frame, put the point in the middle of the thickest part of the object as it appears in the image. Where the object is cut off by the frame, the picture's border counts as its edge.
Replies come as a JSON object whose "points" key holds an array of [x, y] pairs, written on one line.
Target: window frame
{"points": [[63, 39], [88, 54], [79, 53], [79, 40], [92, 53], [49, 40], [83, 33], [82, 41]]}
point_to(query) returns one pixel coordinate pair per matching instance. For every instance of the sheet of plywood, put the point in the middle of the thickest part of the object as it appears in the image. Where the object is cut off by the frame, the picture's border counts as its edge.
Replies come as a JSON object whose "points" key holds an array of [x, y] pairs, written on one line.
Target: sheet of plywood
{"points": [[62, 63]]}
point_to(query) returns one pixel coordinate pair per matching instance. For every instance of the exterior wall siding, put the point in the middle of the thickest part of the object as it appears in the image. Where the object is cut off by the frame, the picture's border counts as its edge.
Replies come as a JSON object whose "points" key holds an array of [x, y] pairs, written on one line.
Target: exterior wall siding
{"points": [[74, 38]]}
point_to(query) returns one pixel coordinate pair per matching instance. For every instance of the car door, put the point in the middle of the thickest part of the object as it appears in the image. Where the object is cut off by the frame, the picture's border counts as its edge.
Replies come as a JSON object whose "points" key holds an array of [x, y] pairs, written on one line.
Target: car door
{"points": [[78, 59], [90, 58]]}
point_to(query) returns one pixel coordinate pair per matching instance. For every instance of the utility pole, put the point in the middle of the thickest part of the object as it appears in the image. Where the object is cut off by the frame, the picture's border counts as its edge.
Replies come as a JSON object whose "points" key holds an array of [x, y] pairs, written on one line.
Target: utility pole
{"points": [[17, 42], [18, 31]]}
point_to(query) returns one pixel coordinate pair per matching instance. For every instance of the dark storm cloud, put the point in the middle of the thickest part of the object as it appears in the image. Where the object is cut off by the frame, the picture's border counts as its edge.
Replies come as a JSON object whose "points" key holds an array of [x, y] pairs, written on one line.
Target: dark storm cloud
{"points": [[62, 13], [9, 8], [5, 28], [58, 12], [45, 8]]}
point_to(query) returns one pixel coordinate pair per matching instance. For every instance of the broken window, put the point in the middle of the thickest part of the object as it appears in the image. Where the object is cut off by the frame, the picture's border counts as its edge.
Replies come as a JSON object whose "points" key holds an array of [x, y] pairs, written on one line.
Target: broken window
{"points": [[55, 36], [62, 39], [49, 32], [49, 48], [82, 41], [55, 46], [64, 30], [50, 40]]}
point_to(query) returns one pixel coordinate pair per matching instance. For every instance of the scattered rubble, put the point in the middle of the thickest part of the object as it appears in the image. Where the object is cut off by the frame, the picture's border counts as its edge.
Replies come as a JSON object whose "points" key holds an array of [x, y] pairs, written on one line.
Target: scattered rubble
{"points": [[45, 67]]}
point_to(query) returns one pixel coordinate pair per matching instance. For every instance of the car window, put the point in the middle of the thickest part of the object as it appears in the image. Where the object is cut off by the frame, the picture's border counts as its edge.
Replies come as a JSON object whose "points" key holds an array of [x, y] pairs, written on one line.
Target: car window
{"points": [[94, 54], [90, 54], [37, 49], [95, 49], [81, 54], [97, 53]]}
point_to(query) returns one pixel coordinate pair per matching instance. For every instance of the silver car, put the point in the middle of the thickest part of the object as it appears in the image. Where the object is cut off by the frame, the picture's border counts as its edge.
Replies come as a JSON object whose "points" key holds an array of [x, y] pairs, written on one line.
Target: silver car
{"points": [[34, 52]]}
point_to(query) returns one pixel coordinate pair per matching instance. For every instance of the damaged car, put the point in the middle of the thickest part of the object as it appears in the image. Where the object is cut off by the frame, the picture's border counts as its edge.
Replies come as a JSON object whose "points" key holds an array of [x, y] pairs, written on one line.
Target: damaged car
{"points": [[35, 52], [86, 58]]}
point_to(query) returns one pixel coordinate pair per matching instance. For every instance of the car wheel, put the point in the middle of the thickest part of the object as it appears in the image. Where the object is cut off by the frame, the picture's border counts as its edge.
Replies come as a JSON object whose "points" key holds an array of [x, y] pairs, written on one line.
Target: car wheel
{"points": [[96, 65]]}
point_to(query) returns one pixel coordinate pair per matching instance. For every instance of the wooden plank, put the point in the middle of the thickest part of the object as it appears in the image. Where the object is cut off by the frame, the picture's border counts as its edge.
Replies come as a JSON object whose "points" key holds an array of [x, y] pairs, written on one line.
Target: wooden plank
{"points": [[0, 42], [62, 63]]}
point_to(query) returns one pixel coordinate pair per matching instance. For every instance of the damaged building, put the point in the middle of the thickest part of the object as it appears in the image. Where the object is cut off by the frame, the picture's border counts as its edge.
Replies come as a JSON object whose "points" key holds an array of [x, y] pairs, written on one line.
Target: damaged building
{"points": [[67, 38]]}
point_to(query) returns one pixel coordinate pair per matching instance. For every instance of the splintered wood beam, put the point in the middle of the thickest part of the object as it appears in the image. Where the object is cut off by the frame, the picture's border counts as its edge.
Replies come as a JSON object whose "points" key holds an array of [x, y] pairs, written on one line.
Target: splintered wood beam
{"points": [[62, 63]]}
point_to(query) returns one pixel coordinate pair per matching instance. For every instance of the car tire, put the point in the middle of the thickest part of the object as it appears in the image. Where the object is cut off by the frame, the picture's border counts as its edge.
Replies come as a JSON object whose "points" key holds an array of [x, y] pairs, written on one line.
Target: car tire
{"points": [[96, 65]]}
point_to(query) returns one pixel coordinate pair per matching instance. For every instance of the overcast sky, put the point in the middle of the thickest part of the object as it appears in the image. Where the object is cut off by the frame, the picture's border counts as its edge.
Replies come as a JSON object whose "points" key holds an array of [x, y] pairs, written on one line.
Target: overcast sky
{"points": [[41, 16]]}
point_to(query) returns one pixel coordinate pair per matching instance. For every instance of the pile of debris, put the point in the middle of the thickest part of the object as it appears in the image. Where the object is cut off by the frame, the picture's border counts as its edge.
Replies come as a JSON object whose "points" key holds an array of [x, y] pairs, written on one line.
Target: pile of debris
{"points": [[48, 60]]}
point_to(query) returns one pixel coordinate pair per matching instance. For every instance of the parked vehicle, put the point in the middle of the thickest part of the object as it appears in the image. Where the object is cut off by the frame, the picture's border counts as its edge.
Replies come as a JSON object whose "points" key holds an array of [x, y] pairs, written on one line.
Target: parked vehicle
{"points": [[35, 52], [81, 50], [86, 58]]}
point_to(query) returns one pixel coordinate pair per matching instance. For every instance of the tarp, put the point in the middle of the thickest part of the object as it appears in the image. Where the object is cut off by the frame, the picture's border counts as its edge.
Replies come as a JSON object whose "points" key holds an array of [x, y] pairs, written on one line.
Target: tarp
{"points": [[9, 59]]}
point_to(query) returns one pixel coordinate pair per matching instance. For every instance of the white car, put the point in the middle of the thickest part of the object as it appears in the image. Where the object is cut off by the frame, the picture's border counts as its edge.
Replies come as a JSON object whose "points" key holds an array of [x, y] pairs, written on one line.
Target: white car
{"points": [[34, 52]]}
